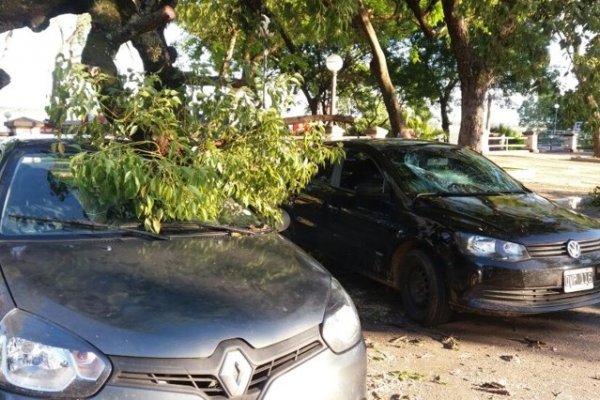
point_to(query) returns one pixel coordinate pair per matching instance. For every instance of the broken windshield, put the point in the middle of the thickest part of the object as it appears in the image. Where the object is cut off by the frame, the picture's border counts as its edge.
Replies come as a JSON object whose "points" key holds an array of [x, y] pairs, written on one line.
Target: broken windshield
{"points": [[444, 170]]}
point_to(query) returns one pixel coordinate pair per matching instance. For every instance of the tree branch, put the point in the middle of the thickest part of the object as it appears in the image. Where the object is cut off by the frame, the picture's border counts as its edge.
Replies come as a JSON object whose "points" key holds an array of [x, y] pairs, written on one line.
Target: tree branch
{"points": [[229, 55], [191, 78], [421, 16], [145, 23]]}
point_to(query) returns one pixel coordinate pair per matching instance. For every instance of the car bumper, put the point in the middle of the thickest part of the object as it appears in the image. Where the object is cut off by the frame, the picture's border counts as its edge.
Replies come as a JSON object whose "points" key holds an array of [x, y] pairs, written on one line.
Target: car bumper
{"points": [[528, 287], [326, 376]]}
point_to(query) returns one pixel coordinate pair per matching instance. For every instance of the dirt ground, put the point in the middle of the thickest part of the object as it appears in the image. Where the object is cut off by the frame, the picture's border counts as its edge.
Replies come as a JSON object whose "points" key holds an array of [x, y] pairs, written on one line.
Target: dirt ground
{"points": [[550, 356]]}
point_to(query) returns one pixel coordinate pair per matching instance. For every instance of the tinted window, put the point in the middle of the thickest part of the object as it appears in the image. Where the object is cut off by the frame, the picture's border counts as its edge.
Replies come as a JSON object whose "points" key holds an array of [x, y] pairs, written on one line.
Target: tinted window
{"points": [[358, 169]]}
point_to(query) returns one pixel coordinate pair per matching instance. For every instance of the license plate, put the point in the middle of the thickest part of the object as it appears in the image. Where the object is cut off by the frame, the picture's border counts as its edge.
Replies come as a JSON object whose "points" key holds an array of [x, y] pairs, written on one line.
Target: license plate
{"points": [[578, 279]]}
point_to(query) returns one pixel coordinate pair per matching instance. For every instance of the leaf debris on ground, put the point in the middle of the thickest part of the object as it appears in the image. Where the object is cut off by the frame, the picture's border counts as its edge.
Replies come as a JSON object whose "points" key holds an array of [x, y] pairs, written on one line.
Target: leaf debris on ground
{"points": [[450, 343], [493, 387], [535, 343], [406, 375], [405, 339]]}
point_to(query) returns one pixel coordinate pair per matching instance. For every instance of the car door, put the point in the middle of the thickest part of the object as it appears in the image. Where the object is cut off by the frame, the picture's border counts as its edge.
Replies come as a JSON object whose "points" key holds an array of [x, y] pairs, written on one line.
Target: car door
{"points": [[307, 212], [362, 218]]}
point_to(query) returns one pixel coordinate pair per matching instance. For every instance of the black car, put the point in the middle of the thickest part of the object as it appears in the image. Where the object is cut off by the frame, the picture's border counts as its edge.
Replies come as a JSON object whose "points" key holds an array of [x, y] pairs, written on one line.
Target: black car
{"points": [[95, 310], [449, 229]]}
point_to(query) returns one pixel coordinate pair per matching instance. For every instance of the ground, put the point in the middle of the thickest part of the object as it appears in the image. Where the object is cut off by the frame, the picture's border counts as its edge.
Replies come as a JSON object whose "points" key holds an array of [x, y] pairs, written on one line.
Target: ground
{"points": [[550, 356]]}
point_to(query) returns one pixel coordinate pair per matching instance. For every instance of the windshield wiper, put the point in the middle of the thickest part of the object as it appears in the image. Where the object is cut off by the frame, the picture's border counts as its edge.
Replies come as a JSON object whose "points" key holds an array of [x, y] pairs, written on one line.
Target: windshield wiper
{"points": [[193, 225], [92, 225]]}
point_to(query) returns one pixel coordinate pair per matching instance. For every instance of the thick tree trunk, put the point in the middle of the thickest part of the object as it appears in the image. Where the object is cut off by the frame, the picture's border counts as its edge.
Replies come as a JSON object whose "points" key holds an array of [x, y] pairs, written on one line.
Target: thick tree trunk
{"points": [[596, 139], [381, 73], [471, 125], [475, 78]]}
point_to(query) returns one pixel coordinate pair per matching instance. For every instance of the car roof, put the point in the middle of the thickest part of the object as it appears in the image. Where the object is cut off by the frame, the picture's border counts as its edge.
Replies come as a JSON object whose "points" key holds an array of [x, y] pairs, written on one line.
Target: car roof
{"points": [[32, 145], [380, 144]]}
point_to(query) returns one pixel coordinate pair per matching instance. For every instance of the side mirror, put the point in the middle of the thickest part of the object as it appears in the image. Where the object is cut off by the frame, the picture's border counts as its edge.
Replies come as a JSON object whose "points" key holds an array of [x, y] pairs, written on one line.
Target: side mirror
{"points": [[285, 221]]}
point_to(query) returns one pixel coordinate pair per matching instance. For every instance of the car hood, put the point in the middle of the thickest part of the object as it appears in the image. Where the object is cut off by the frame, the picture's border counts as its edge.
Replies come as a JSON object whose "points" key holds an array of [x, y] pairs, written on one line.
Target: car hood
{"points": [[527, 218], [169, 299]]}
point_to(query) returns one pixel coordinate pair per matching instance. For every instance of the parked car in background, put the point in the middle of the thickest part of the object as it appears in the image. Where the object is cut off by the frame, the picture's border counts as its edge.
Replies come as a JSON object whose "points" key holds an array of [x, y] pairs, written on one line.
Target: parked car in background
{"points": [[449, 229], [200, 311]]}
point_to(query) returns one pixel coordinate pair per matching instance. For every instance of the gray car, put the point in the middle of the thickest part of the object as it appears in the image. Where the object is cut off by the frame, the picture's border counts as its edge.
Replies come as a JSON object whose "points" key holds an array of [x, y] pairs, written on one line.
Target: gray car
{"points": [[200, 311]]}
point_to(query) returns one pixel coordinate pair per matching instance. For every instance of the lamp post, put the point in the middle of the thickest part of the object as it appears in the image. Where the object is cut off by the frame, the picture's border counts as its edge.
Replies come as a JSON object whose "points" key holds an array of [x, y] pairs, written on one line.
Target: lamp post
{"points": [[334, 63], [266, 34], [556, 107]]}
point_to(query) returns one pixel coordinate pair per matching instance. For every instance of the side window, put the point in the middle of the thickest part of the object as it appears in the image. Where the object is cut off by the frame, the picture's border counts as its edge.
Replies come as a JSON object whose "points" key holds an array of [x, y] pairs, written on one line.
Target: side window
{"points": [[360, 171], [324, 174]]}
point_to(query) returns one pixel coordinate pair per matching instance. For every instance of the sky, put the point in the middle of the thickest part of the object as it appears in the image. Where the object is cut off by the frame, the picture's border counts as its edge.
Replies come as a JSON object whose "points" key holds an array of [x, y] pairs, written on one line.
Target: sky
{"points": [[28, 58]]}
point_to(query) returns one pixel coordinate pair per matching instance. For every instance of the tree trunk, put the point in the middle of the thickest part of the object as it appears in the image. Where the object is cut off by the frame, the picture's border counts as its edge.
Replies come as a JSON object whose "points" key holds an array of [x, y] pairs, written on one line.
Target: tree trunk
{"points": [[596, 138], [475, 77], [381, 73], [444, 114], [488, 111], [471, 125], [313, 103], [229, 55], [444, 100]]}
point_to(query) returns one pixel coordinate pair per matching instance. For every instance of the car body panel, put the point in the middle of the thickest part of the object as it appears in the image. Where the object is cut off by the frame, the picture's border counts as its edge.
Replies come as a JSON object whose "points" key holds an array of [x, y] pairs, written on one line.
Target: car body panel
{"points": [[176, 298]]}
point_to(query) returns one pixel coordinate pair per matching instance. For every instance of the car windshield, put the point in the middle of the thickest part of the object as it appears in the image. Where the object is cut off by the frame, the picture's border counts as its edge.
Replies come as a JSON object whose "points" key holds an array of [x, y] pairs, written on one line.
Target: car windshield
{"points": [[40, 200], [444, 170]]}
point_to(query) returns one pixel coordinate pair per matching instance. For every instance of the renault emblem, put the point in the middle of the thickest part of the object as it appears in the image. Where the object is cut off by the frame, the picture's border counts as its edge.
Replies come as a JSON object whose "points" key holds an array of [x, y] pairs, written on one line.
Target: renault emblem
{"points": [[573, 249], [236, 373]]}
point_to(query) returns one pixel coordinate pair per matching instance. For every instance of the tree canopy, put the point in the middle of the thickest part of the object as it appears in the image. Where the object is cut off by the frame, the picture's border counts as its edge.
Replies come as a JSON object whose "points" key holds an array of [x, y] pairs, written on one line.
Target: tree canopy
{"points": [[228, 142]]}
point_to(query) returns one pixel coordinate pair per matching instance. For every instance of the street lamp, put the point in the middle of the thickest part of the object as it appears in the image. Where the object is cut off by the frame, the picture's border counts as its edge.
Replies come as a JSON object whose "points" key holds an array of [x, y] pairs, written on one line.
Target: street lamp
{"points": [[556, 107], [266, 34], [334, 63]]}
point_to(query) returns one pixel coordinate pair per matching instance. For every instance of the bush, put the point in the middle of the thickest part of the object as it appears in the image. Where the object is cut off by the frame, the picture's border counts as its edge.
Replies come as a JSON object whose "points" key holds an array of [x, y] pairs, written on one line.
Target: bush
{"points": [[596, 196]]}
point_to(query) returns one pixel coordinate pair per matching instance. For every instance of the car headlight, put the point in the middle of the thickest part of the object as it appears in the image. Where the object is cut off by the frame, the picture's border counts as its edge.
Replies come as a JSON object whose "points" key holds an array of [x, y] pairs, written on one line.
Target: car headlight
{"points": [[341, 325], [483, 246], [41, 359]]}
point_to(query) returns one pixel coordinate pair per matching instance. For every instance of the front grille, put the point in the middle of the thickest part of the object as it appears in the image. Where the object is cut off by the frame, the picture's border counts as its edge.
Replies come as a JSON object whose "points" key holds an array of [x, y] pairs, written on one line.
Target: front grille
{"points": [[539, 296], [560, 248], [209, 383]]}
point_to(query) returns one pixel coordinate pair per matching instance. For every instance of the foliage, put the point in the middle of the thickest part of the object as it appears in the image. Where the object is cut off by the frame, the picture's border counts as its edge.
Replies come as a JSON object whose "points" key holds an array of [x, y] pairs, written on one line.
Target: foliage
{"points": [[417, 119], [221, 148], [596, 196], [505, 130], [424, 69]]}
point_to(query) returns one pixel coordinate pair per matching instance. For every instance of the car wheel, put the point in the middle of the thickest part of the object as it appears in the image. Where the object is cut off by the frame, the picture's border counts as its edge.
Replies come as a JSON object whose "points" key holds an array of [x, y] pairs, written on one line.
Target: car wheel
{"points": [[424, 291]]}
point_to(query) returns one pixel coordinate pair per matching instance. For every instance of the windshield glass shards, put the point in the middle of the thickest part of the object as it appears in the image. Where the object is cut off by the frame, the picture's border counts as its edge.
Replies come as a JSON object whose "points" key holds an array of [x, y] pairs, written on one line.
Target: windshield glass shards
{"points": [[449, 171]]}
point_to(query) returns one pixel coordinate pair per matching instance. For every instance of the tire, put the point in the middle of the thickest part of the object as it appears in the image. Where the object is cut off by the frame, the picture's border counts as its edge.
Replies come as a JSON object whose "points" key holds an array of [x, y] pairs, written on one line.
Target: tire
{"points": [[424, 290]]}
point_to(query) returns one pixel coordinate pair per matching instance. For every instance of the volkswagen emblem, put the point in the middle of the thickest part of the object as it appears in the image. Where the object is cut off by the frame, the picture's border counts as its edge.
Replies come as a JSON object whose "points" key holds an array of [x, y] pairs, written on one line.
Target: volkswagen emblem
{"points": [[573, 249], [236, 373]]}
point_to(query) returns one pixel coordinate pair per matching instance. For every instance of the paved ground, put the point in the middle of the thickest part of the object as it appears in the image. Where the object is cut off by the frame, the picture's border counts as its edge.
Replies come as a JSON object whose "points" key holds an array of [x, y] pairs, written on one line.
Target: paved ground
{"points": [[558, 176]]}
